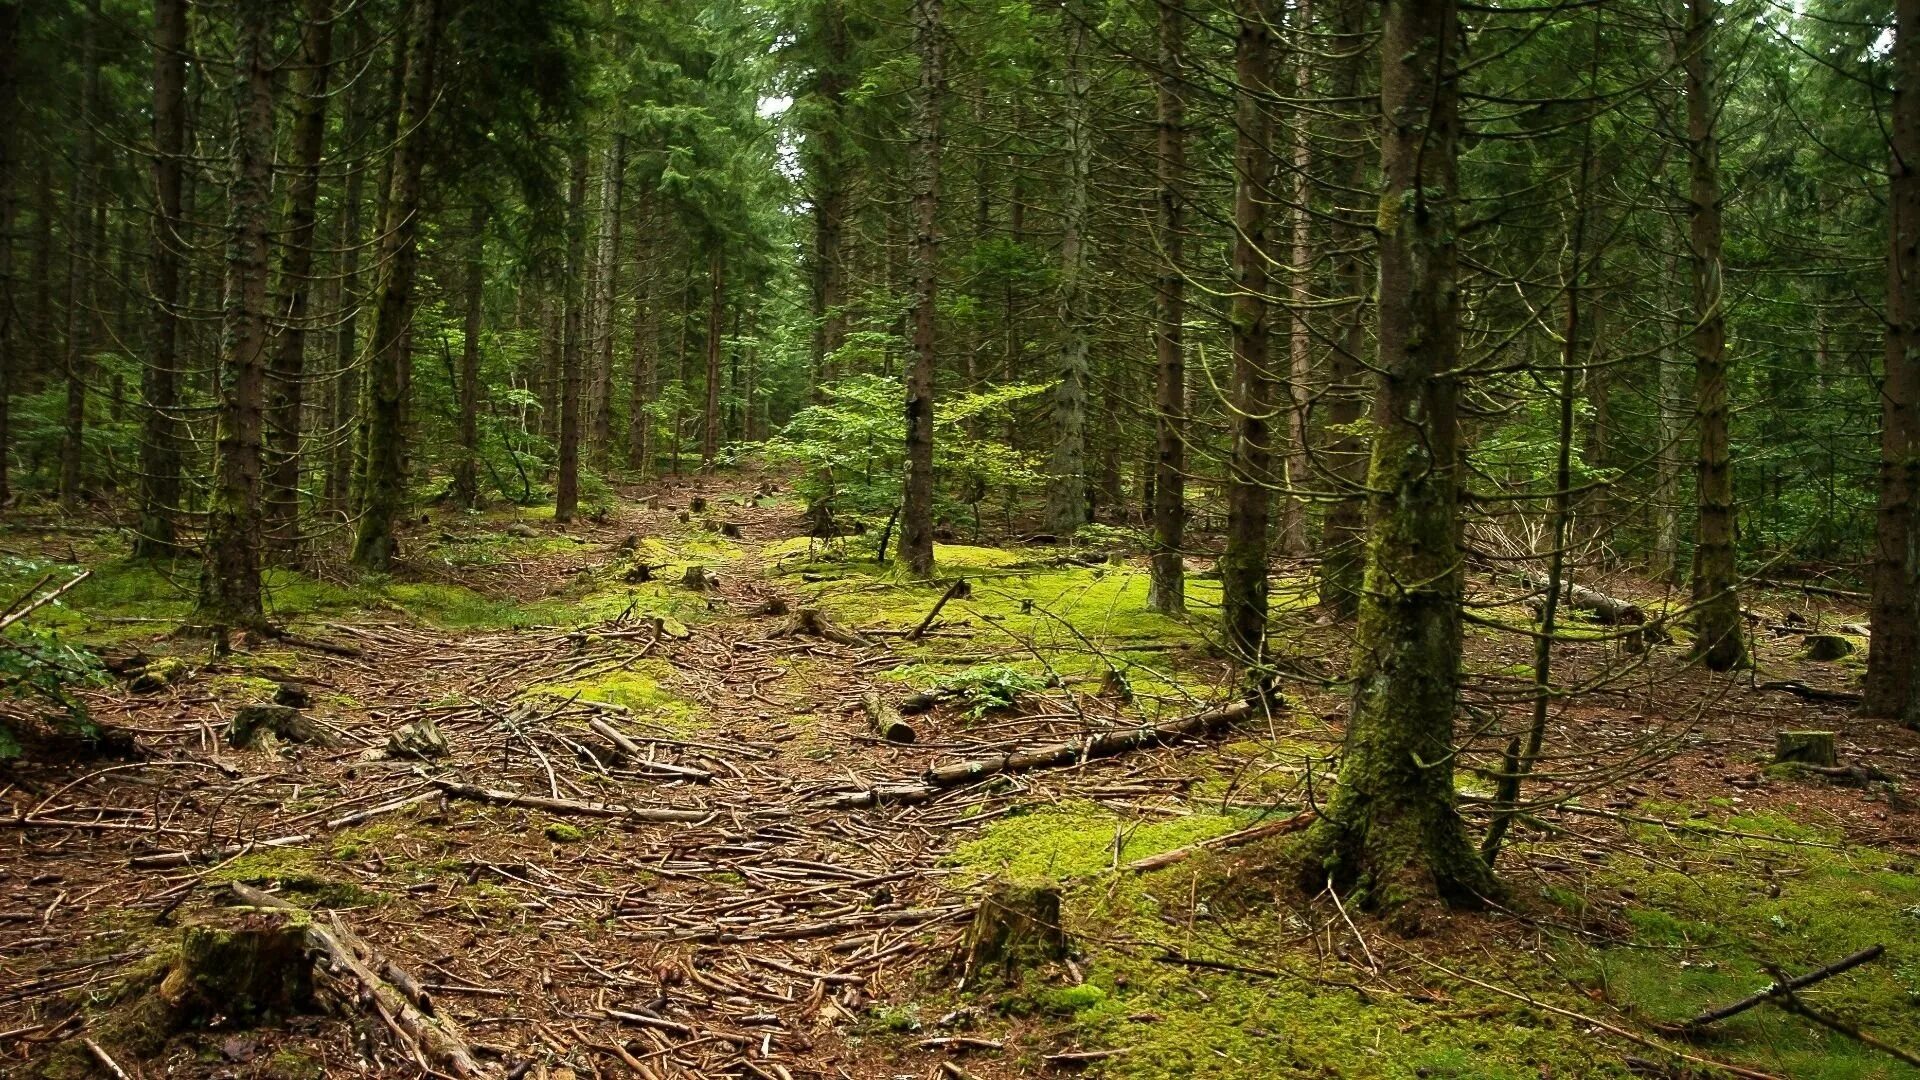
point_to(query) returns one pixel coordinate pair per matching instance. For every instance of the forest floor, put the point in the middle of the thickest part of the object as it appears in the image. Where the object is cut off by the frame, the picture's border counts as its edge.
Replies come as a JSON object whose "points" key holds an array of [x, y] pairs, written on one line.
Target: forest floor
{"points": [[778, 924]]}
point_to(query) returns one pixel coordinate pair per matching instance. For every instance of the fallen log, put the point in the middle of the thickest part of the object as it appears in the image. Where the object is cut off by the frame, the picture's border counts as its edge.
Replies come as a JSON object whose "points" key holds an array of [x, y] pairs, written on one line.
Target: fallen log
{"points": [[939, 778], [571, 806], [1813, 693], [435, 1036], [1607, 610], [886, 720], [812, 622]]}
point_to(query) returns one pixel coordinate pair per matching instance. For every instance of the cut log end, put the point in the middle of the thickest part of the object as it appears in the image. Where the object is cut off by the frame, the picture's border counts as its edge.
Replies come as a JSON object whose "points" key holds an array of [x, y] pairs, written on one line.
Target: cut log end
{"points": [[1805, 747], [886, 720], [1016, 928]]}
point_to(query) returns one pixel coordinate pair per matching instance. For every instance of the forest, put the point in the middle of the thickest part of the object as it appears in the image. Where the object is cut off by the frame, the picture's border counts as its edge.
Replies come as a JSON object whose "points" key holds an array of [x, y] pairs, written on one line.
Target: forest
{"points": [[960, 539]]}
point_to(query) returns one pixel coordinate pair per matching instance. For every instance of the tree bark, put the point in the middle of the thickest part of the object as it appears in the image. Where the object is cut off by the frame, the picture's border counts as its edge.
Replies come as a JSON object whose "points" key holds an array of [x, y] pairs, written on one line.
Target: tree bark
{"points": [[1243, 567], [716, 312], [1342, 558], [81, 272], [1066, 507], [160, 452], [1391, 831], [829, 173], [347, 371], [566, 488], [1292, 531], [1718, 639], [287, 376], [230, 593], [466, 471], [646, 340], [1669, 461], [10, 12], [916, 518], [1167, 583], [383, 494], [606, 287], [1892, 688]]}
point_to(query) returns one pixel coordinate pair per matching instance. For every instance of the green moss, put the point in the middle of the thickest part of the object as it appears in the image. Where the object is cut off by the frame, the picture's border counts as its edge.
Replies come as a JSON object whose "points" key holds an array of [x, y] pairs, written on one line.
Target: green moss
{"points": [[243, 689], [1075, 839], [638, 689], [291, 871], [561, 832]]}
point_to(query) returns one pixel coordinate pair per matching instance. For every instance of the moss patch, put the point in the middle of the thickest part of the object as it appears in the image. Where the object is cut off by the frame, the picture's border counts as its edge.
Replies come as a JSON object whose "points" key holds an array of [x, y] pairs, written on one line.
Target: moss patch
{"points": [[1076, 839]]}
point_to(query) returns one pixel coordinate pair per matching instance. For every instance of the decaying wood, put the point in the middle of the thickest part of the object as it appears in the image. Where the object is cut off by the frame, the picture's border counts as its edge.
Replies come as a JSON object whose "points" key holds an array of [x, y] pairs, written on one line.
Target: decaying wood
{"points": [[1015, 928], [812, 622], [1607, 610], [570, 806], [886, 720], [1221, 843], [1805, 747], [957, 589], [436, 1036], [1818, 695]]}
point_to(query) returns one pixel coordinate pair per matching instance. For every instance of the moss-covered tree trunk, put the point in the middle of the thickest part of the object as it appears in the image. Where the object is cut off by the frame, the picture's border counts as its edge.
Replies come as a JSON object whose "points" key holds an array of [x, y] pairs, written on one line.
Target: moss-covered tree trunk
{"points": [[1243, 568], [383, 493], [1066, 508], [230, 576], [81, 276], [1893, 689], [1167, 583], [1342, 554], [566, 485], [1718, 639], [1290, 533], [346, 378], [287, 373], [916, 518], [10, 13], [159, 441], [1391, 830]]}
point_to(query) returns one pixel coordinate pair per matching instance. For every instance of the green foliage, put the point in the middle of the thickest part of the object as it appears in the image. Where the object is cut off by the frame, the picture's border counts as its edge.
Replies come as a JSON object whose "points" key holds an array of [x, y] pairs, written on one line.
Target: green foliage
{"points": [[40, 670], [987, 687]]}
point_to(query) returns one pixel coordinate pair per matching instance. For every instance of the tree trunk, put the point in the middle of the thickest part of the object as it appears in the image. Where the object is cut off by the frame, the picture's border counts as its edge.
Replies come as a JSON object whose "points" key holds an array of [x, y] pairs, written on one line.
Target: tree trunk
{"points": [[1067, 470], [1167, 583], [9, 195], [1342, 558], [1669, 460], [287, 377], [1292, 531], [566, 488], [646, 339], [1718, 639], [1892, 689], [347, 372], [81, 272], [466, 471], [606, 288], [553, 334], [829, 172], [1243, 568], [716, 312], [916, 518], [384, 492], [1391, 830], [230, 594], [160, 457]]}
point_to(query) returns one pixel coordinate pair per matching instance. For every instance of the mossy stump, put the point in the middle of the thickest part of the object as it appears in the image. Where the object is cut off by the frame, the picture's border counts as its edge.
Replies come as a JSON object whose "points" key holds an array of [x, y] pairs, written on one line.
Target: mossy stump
{"points": [[250, 968], [1016, 927], [285, 721], [1805, 748], [1826, 648]]}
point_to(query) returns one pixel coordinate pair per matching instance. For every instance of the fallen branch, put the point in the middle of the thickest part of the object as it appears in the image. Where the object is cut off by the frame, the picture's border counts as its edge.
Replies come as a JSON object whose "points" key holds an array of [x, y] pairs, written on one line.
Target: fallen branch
{"points": [[958, 588], [571, 806], [1813, 693], [1220, 843], [939, 778], [41, 601], [1783, 989]]}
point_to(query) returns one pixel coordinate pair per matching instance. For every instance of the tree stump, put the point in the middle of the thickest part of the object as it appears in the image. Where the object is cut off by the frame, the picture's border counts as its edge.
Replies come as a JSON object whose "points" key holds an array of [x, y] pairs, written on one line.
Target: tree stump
{"points": [[1805, 747], [699, 579], [886, 720], [1017, 927], [285, 721], [250, 968], [1828, 647], [420, 738]]}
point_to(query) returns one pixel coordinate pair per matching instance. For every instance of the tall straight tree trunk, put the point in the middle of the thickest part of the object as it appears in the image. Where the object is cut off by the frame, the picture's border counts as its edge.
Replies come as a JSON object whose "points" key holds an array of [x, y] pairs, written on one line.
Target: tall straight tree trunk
{"points": [[383, 490], [159, 444], [552, 337], [829, 173], [1167, 583], [566, 487], [607, 287], [1067, 469], [346, 356], [81, 272], [230, 593], [9, 204], [1243, 567], [1718, 639], [1391, 830], [646, 339], [916, 515], [1293, 508], [716, 311], [1342, 560], [288, 374], [1669, 461], [1893, 688], [466, 470]]}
